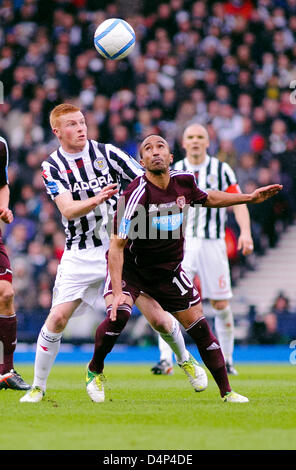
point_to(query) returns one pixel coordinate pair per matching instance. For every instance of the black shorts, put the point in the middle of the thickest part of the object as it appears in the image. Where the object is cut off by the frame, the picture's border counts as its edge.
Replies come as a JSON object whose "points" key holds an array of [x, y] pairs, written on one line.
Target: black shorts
{"points": [[174, 291]]}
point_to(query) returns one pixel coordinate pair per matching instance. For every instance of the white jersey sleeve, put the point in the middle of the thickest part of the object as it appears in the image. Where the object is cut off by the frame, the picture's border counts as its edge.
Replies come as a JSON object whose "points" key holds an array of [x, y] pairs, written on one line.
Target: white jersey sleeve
{"points": [[54, 182], [228, 177], [213, 174], [126, 166]]}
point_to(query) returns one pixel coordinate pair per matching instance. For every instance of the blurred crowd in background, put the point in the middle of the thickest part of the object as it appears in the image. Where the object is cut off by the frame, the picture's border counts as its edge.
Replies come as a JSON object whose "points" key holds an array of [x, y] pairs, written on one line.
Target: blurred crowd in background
{"points": [[227, 65]]}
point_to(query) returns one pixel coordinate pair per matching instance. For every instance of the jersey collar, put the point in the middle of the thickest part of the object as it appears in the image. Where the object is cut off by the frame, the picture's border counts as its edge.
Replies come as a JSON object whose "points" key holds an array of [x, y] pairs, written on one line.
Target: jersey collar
{"points": [[193, 168], [74, 156]]}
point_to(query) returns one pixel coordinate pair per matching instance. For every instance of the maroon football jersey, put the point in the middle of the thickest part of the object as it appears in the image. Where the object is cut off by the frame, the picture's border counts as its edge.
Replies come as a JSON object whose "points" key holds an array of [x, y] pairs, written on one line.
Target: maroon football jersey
{"points": [[153, 219], [5, 270]]}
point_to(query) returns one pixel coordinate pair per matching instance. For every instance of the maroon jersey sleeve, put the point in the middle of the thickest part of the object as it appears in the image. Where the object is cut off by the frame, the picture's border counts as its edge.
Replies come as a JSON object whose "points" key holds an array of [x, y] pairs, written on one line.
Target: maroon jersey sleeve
{"points": [[128, 206], [3, 162]]}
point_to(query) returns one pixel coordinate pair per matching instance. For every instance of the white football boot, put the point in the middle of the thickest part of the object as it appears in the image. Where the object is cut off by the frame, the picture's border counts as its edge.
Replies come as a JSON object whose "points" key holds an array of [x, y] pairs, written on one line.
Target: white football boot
{"points": [[196, 374], [233, 397], [34, 395], [94, 386]]}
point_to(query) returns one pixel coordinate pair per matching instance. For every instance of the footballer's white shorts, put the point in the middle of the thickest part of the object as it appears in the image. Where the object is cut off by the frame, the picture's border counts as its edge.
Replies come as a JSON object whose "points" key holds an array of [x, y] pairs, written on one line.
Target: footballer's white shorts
{"points": [[79, 276], [208, 259]]}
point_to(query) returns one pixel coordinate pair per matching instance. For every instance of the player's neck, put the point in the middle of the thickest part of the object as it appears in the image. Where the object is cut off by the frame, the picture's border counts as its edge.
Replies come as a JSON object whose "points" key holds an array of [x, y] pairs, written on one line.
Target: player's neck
{"points": [[161, 180], [196, 159], [72, 150]]}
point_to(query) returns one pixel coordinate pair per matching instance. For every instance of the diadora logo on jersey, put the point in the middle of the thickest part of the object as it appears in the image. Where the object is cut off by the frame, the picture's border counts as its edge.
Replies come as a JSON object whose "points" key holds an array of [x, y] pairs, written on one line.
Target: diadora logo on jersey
{"points": [[100, 163], [94, 183], [181, 201]]}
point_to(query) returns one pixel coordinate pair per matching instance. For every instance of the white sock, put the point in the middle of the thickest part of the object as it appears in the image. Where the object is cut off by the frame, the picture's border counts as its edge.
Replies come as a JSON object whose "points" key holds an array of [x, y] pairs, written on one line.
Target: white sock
{"points": [[224, 327], [173, 342], [165, 350], [48, 345]]}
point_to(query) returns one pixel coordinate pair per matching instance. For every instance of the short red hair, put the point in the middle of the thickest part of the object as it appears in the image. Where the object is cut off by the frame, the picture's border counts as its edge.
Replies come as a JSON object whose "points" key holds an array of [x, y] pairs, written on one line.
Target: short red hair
{"points": [[61, 110]]}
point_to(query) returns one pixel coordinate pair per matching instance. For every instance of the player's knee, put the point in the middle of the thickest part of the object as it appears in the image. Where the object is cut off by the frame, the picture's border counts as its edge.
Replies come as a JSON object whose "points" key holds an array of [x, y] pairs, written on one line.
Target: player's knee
{"points": [[219, 304], [58, 321], [161, 320], [161, 325]]}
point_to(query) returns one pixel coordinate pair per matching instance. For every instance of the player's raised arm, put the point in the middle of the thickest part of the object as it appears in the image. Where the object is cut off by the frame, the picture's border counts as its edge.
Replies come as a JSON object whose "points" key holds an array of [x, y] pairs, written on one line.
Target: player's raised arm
{"points": [[125, 165], [223, 199], [72, 209], [115, 265]]}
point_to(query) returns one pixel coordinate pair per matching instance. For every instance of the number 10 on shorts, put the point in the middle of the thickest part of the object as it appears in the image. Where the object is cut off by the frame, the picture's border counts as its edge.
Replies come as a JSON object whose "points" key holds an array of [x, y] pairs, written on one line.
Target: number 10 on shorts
{"points": [[186, 281]]}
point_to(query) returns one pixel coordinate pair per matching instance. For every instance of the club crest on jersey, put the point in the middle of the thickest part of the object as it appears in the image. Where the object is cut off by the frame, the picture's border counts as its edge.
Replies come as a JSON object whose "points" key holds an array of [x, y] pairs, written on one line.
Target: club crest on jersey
{"points": [[100, 164], [181, 201], [212, 180]]}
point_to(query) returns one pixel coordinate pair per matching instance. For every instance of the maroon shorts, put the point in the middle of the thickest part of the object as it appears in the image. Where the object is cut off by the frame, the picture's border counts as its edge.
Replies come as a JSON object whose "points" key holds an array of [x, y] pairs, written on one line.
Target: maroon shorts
{"points": [[173, 291], [5, 269]]}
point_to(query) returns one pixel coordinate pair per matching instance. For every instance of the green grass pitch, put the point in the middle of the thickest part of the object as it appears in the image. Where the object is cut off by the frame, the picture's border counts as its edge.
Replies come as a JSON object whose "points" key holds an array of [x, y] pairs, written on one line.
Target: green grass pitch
{"points": [[145, 412]]}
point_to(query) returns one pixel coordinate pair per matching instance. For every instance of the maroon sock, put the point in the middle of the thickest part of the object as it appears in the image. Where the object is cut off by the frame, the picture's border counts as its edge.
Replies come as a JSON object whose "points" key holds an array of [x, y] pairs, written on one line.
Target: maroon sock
{"points": [[8, 342], [106, 336], [210, 352]]}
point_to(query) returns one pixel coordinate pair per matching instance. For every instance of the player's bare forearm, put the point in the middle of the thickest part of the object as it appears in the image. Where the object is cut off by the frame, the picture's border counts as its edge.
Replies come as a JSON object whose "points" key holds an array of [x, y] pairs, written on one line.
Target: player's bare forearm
{"points": [[223, 199], [115, 265], [5, 213], [242, 217], [79, 208], [74, 209], [4, 196], [245, 241]]}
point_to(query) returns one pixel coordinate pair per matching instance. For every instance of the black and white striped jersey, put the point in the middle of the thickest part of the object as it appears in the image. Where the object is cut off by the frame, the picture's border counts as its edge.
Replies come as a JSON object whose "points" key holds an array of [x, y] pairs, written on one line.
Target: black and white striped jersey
{"points": [[212, 174], [84, 174], [4, 158]]}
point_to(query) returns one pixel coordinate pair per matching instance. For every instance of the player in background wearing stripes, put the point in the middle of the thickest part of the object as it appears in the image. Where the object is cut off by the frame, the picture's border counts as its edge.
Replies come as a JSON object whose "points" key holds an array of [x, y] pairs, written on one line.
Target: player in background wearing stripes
{"points": [[205, 247], [152, 264], [82, 177], [9, 378]]}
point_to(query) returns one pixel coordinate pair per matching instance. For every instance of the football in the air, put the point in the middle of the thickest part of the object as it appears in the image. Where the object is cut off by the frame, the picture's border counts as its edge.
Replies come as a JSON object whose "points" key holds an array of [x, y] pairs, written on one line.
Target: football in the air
{"points": [[114, 39]]}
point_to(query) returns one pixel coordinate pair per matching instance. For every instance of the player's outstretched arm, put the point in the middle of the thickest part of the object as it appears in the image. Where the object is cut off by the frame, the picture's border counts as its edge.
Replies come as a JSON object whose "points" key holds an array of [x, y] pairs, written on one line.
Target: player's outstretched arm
{"points": [[223, 199], [115, 265], [261, 194], [73, 209]]}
